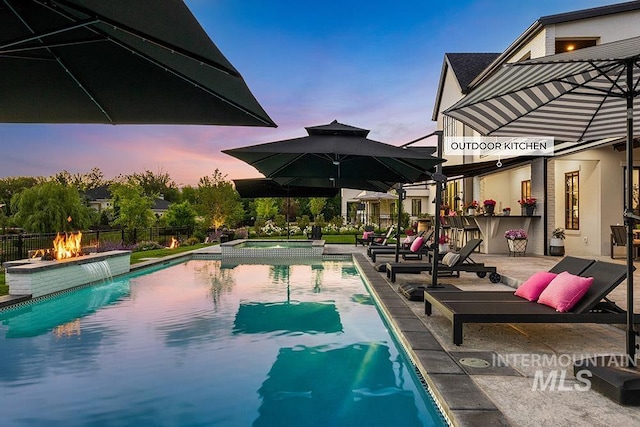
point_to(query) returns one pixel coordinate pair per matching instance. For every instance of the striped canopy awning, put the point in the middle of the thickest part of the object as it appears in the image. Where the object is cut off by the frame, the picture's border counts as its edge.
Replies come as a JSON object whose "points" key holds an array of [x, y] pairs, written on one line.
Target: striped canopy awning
{"points": [[586, 96], [574, 96]]}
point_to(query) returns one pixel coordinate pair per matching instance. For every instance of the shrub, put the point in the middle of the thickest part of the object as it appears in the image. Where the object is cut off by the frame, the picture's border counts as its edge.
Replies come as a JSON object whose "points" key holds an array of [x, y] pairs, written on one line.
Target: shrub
{"points": [[146, 246], [191, 241]]}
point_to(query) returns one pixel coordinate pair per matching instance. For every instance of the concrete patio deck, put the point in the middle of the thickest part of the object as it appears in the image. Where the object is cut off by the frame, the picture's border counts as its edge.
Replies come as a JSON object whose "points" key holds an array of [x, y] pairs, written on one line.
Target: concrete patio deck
{"points": [[506, 392]]}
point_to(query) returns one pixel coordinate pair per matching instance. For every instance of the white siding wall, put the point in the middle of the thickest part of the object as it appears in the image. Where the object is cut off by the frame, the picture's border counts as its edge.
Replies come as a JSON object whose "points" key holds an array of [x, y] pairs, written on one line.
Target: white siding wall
{"points": [[608, 28]]}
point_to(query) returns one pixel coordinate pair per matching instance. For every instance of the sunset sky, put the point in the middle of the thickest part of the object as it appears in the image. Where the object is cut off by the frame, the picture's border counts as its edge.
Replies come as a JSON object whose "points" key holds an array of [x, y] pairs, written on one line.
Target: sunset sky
{"points": [[372, 64]]}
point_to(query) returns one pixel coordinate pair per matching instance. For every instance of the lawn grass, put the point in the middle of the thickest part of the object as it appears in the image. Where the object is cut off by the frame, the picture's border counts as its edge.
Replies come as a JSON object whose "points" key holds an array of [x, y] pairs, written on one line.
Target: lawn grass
{"points": [[137, 257]]}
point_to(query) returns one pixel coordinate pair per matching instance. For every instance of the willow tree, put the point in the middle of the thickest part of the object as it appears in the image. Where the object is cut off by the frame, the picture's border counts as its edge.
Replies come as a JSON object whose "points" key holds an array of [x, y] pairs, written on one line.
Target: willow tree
{"points": [[218, 202], [50, 207]]}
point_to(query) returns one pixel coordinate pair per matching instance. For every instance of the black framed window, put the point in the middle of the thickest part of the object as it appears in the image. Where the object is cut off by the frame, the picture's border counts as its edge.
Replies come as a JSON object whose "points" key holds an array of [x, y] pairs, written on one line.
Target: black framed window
{"points": [[571, 201]]}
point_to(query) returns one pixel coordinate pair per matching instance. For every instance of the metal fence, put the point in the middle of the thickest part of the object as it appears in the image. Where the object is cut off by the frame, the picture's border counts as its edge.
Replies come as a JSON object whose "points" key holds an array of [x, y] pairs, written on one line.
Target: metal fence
{"points": [[18, 246]]}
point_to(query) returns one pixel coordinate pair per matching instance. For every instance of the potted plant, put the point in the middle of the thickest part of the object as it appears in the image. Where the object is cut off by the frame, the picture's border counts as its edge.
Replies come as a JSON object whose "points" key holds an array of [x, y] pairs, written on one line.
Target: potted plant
{"points": [[528, 205], [556, 243], [471, 207], [443, 244], [516, 241], [506, 211], [489, 206]]}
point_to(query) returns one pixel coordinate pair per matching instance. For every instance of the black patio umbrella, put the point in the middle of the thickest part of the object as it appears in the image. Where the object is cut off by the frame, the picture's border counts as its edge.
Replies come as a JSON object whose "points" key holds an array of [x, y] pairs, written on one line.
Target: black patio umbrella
{"points": [[582, 96], [309, 385], [116, 62], [338, 154], [265, 187], [268, 188]]}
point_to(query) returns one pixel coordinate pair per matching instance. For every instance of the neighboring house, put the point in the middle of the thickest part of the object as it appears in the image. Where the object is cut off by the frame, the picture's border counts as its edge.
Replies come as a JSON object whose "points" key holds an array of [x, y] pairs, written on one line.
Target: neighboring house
{"points": [[368, 207], [99, 198], [580, 188]]}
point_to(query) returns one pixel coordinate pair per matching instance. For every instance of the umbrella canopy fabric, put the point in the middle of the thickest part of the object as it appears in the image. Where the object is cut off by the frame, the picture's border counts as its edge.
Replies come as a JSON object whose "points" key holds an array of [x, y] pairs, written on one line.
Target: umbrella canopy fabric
{"points": [[265, 187], [367, 196], [116, 62], [586, 95], [573, 96], [336, 152]]}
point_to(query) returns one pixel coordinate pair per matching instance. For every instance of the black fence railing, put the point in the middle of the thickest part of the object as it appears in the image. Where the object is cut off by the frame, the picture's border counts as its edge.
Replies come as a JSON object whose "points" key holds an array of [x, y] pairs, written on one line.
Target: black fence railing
{"points": [[19, 246]]}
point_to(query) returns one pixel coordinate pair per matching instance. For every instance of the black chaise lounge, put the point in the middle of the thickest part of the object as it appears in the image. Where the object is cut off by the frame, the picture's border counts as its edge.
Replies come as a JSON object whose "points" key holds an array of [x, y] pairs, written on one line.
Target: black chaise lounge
{"points": [[569, 264], [464, 263], [376, 251], [504, 307]]}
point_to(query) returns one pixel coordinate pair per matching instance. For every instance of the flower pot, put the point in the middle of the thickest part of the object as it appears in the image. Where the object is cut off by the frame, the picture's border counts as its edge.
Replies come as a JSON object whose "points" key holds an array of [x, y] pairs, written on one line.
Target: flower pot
{"points": [[556, 247], [528, 210], [471, 212], [517, 247], [443, 247], [489, 209], [506, 212]]}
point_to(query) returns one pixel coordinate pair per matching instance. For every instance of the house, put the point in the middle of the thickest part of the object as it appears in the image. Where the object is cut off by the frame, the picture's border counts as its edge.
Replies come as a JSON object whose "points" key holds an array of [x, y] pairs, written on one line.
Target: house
{"points": [[99, 198], [580, 187]]}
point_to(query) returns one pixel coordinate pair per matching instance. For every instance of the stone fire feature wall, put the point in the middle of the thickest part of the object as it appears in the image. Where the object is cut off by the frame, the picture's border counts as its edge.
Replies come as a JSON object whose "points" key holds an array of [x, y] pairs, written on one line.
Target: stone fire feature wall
{"points": [[38, 278]]}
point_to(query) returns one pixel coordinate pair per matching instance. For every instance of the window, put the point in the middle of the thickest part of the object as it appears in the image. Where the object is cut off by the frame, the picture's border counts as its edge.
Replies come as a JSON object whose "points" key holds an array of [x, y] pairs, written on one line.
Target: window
{"points": [[572, 193], [567, 45], [525, 189], [416, 207]]}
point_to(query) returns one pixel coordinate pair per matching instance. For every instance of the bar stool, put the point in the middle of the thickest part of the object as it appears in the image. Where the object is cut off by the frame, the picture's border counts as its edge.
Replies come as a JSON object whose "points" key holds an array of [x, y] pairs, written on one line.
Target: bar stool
{"points": [[470, 228], [457, 231]]}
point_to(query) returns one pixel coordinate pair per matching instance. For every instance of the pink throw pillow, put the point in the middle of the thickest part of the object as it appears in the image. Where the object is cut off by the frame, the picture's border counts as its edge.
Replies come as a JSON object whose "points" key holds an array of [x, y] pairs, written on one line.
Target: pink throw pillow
{"points": [[534, 285], [565, 291], [366, 235], [417, 244]]}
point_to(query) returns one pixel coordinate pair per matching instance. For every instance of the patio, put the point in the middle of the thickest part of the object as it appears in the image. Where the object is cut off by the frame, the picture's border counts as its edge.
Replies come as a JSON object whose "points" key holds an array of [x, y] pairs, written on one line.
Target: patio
{"points": [[507, 391]]}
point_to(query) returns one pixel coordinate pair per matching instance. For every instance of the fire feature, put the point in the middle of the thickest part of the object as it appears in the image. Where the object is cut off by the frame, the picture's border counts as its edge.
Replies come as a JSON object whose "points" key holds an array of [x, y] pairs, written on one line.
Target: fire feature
{"points": [[67, 246], [64, 246], [174, 243]]}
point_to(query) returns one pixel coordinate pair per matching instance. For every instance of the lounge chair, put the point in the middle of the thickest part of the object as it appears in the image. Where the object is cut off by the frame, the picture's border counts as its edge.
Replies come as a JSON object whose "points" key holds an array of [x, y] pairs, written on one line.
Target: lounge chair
{"points": [[463, 263], [619, 238], [594, 307], [315, 233], [367, 235], [407, 253], [569, 264], [375, 239]]}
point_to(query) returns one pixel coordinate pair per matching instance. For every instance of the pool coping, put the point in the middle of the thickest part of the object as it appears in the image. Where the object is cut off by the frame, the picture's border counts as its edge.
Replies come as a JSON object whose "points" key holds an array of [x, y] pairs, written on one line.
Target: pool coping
{"points": [[462, 401]]}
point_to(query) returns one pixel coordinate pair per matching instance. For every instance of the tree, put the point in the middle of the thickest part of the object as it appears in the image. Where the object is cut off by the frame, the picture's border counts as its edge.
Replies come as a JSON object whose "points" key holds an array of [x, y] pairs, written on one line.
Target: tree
{"points": [[190, 194], [11, 186], [132, 208], [266, 208], [50, 207], [159, 183], [181, 215], [81, 181], [316, 205], [218, 202]]}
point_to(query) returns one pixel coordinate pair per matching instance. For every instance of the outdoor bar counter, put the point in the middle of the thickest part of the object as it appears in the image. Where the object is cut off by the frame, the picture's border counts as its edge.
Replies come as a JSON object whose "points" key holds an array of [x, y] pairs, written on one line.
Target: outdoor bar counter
{"points": [[492, 229]]}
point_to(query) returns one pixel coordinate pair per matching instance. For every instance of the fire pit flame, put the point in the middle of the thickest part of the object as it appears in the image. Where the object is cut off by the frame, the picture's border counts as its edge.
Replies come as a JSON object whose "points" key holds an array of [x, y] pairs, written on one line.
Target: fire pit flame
{"points": [[174, 243], [67, 245]]}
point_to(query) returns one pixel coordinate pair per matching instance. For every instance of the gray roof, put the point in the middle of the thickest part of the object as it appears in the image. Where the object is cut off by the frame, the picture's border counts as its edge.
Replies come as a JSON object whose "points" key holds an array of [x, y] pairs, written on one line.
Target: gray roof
{"points": [[98, 193], [590, 13], [467, 66], [160, 205]]}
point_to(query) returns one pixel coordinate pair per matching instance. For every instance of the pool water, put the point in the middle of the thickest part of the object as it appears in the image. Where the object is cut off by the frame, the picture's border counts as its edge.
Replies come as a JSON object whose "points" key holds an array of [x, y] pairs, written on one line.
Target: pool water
{"points": [[198, 344], [274, 244]]}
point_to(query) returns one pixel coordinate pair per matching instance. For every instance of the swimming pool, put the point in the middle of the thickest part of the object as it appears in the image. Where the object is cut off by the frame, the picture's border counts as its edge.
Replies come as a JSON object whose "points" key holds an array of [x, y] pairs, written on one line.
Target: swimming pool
{"points": [[198, 343], [245, 249]]}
